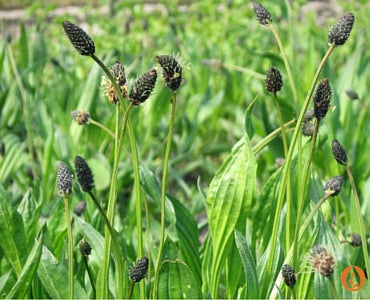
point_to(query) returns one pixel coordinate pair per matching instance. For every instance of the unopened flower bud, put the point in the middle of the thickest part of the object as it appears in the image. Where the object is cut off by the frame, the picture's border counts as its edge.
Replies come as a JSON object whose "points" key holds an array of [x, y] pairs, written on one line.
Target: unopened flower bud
{"points": [[321, 100], [142, 87], [79, 39], [172, 71], [339, 153], [289, 275], [334, 185], [262, 14], [84, 175], [273, 80], [341, 30], [138, 272], [64, 180]]}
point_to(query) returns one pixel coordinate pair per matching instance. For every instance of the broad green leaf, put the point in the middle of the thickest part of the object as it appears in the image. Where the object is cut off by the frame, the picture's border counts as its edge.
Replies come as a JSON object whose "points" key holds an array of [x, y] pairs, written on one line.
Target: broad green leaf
{"points": [[248, 124], [22, 287], [24, 50], [176, 280], [54, 277], [13, 239], [249, 266], [229, 198], [187, 233]]}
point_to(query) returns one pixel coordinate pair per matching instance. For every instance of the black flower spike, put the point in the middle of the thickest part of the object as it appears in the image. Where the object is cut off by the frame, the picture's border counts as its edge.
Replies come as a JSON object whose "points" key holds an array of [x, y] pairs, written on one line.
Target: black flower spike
{"points": [[273, 80], [322, 260], [341, 30], [84, 175], [289, 275], [321, 100], [338, 152], [356, 240], [80, 116], [82, 42], [262, 14], [142, 87], [80, 208], [84, 247], [64, 180], [172, 71], [138, 272], [334, 185]]}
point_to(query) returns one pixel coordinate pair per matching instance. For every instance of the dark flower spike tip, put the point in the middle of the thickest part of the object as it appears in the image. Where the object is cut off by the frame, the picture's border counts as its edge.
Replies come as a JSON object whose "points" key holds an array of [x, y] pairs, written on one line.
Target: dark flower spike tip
{"points": [[289, 275], [321, 100], [80, 208], [338, 152], [84, 175], [143, 87], [273, 80], [356, 240], [334, 185], [84, 247], [172, 71], [341, 30], [262, 14], [79, 39], [64, 180], [138, 272]]}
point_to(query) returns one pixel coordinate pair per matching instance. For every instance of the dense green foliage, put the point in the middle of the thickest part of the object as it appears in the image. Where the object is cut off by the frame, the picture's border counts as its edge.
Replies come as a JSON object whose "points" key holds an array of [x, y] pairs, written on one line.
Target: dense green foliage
{"points": [[223, 186]]}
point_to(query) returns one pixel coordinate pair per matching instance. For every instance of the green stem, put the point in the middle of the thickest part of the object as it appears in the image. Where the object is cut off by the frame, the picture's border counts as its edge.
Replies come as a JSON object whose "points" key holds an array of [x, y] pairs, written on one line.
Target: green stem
{"points": [[332, 287], [90, 276], [130, 290], [163, 195], [360, 220], [101, 126], [288, 194], [70, 248], [287, 164], [293, 293], [302, 191], [268, 138]]}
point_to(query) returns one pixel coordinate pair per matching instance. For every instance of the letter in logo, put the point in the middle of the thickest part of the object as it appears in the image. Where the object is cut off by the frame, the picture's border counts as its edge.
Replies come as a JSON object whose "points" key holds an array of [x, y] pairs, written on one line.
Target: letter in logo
{"points": [[354, 285]]}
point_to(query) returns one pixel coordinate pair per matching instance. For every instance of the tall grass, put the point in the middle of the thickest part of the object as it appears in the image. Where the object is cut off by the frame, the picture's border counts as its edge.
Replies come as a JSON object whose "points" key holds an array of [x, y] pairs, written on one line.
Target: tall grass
{"points": [[198, 192]]}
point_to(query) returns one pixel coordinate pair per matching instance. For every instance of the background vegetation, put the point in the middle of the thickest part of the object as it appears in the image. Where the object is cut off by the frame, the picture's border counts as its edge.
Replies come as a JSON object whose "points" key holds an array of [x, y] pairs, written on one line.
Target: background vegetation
{"points": [[225, 54]]}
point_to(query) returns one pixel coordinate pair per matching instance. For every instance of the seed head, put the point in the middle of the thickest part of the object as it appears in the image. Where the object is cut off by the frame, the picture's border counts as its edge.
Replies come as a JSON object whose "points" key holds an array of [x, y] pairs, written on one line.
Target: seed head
{"points": [[356, 240], [79, 39], [352, 94], [273, 80], [307, 128], [80, 116], [289, 275], [84, 175], [321, 100], [334, 185], [172, 71], [138, 272], [80, 208], [64, 180], [84, 247], [338, 152], [262, 14], [142, 87], [341, 30], [322, 260], [309, 115]]}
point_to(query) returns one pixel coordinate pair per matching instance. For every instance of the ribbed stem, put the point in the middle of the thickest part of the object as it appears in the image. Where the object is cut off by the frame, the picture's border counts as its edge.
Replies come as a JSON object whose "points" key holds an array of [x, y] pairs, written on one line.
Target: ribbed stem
{"points": [[332, 287], [70, 248], [90, 276], [101, 126], [163, 195]]}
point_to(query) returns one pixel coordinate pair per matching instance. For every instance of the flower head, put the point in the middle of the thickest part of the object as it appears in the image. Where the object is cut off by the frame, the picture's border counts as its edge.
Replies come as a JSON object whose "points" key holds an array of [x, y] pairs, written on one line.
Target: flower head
{"points": [[138, 272], [341, 30], [84, 175], [79, 39], [64, 180], [273, 80], [338, 152], [321, 100], [289, 275], [172, 71], [262, 14], [84, 247], [118, 73], [80, 208], [143, 87], [334, 185], [80, 116], [322, 261]]}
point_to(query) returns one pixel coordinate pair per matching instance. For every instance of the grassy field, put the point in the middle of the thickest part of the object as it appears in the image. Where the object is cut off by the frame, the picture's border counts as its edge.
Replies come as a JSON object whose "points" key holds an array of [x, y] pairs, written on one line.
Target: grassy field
{"points": [[206, 181]]}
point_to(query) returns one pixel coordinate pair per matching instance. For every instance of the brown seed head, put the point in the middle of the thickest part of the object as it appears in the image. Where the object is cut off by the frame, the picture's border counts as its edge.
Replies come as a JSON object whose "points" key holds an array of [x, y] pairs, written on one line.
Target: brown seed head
{"points": [[79, 39], [341, 30], [321, 100], [322, 261], [142, 87], [262, 14], [80, 116]]}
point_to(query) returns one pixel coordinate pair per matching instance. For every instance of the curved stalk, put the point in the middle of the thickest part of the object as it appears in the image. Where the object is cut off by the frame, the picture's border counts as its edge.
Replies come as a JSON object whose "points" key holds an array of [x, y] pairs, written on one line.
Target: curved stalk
{"points": [[70, 248], [163, 195]]}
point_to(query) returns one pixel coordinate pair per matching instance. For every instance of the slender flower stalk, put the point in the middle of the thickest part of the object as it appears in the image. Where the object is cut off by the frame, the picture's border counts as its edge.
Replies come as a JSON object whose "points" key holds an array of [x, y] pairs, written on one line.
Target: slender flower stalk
{"points": [[64, 183], [172, 75]]}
